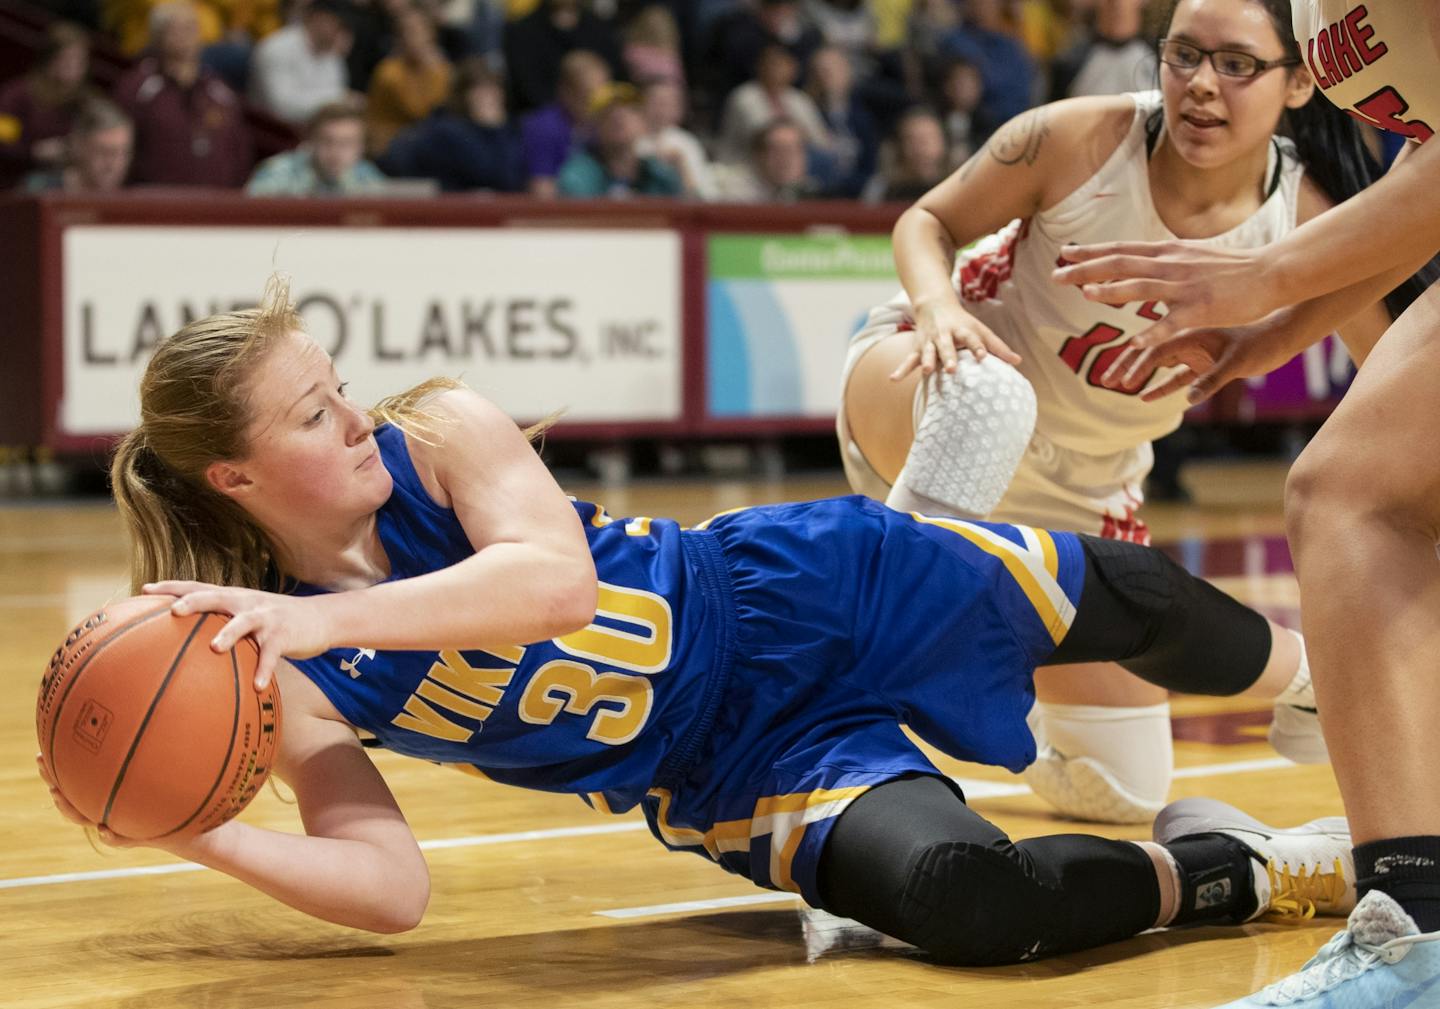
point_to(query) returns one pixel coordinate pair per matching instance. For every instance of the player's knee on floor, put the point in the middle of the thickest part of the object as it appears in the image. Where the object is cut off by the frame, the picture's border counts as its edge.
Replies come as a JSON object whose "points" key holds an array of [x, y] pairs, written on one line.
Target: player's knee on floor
{"points": [[971, 430], [976, 905]]}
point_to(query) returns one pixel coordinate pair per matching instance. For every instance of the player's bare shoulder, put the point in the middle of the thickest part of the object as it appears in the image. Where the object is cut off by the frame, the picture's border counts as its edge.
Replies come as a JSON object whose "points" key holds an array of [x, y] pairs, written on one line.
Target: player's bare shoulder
{"points": [[1083, 133], [448, 420]]}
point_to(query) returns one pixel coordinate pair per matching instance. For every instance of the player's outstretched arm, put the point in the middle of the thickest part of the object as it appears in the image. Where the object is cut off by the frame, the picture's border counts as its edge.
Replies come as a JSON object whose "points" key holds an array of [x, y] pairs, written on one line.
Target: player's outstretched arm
{"points": [[1394, 223], [357, 864]]}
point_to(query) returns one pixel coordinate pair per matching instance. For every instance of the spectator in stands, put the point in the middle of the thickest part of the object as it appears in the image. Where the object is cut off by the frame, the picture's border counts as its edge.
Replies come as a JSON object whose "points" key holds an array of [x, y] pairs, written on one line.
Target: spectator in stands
{"points": [[1113, 57], [536, 45], [551, 132], [855, 139], [248, 22], [189, 128], [467, 144], [960, 89], [331, 162], [663, 104], [129, 22], [38, 110], [652, 47], [409, 84], [301, 67], [929, 24], [771, 95], [916, 162], [612, 165], [738, 39], [98, 150], [984, 38], [778, 170], [848, 25]]}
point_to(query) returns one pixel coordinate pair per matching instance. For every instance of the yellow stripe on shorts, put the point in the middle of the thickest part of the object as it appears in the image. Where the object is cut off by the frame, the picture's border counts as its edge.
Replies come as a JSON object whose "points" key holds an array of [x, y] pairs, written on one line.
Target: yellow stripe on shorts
{"points": [[1034, 571]]}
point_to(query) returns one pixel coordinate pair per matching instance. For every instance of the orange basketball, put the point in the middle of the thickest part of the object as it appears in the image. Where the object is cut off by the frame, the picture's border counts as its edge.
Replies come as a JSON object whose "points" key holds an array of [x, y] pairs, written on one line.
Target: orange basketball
{"points": [[148, 731]]}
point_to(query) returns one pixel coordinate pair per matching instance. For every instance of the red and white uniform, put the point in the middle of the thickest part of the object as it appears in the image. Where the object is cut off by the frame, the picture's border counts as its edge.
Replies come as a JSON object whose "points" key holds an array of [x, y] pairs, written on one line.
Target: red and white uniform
{"points": [[1091, 450], [1376, 60]]}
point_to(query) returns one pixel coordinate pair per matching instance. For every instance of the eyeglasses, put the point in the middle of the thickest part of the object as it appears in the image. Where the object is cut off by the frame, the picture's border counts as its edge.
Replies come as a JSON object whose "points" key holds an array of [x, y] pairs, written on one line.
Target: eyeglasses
{"points": [[1227, 62]]}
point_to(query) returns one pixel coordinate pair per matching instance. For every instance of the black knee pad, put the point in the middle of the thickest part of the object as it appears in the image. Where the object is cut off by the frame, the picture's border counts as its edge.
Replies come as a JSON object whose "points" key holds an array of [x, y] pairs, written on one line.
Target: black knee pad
{"points": [[974, 905], [1141, 609]]}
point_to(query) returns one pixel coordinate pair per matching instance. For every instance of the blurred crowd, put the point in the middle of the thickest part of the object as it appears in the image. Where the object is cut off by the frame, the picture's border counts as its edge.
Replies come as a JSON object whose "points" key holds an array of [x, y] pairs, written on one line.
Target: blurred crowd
{"points": [[732, 100]]}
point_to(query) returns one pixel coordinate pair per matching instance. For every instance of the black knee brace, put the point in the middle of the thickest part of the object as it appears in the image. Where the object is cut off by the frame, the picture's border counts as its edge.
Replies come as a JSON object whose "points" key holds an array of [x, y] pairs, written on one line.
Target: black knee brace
{"points": [[910, 859], [1141, 609], [976, 905]]}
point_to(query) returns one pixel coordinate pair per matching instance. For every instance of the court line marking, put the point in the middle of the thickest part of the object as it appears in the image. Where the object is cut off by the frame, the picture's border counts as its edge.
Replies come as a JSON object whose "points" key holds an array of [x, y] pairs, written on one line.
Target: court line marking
{"points": [[699, 905], [974, 788], [433, 845]]}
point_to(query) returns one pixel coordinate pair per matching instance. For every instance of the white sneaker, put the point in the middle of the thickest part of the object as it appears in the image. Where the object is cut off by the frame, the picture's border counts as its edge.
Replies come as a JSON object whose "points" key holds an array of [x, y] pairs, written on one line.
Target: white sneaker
{"points": [[1380, 961], [1309, 869], [1295, 728], [1081, 788]]}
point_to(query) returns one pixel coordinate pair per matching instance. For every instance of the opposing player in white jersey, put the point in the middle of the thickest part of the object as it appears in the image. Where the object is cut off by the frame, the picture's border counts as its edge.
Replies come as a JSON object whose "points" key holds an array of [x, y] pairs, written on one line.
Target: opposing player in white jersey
{"points": [[1198, 158], [1363, 501]]}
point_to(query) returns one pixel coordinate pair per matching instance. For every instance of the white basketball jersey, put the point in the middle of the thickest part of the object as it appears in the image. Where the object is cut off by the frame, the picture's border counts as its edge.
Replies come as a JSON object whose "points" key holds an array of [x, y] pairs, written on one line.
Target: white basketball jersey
{"points": [[1066, 341], [1376, 60]]}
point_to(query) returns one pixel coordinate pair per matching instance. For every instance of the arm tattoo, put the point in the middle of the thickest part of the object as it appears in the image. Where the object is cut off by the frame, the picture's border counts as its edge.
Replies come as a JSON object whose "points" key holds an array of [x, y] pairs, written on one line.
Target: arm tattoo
{"points": [[1020, 139]]}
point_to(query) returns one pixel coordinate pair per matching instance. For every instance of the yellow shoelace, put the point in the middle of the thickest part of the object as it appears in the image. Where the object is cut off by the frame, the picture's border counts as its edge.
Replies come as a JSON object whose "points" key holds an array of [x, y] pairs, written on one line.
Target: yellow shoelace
{"points": [[1294, 896]]}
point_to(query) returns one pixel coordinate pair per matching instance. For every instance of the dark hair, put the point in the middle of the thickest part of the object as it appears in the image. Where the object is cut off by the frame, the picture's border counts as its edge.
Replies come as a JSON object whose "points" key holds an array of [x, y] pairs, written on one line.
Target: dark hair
{"points": [[470, 73], [61, 35], [760, 138], [1330, 146], [334, 112]]}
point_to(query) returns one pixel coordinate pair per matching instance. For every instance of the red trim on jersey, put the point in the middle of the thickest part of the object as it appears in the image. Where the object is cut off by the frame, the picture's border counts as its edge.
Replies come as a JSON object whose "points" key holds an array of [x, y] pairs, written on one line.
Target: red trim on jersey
{"points": [[1129, 527], [982, 274]]}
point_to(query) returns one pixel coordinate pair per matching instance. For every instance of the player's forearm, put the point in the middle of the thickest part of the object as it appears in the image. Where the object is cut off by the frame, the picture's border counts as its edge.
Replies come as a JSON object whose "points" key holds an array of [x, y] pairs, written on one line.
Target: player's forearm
{"points": [[1394, 223], [506, 594], [924, 256], [343, 881], [1312, 320]]}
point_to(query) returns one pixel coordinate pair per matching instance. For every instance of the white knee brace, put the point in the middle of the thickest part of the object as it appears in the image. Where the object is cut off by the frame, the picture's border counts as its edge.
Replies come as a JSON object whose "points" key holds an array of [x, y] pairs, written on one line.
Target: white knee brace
{"points": [[971, 429]]}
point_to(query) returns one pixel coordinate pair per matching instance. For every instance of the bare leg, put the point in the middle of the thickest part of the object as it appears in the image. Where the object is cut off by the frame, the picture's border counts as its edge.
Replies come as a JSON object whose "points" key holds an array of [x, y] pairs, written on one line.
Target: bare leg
{"points": [[1361, 510]]}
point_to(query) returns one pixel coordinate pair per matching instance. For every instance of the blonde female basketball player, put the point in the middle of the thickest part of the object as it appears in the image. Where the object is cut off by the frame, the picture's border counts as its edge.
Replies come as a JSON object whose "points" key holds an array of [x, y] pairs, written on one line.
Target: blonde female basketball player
{"points": [[744, 682], [1361, 506], [1198, 158]]}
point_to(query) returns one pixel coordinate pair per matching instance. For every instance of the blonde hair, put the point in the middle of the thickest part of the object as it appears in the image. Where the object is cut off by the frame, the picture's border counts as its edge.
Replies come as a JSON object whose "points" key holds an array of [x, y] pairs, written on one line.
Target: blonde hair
{"points": [[194, 411]]}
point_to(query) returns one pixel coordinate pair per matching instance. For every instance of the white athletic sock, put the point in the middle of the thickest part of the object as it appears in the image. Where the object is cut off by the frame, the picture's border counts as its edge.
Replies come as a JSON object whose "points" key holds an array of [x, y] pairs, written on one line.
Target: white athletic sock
{"points": [[1301, 691]]}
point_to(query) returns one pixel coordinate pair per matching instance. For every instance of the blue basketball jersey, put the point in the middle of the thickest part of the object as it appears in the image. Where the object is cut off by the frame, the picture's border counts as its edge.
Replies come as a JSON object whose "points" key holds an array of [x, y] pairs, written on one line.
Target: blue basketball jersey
{"points": [[744, 680], [600, 710]]}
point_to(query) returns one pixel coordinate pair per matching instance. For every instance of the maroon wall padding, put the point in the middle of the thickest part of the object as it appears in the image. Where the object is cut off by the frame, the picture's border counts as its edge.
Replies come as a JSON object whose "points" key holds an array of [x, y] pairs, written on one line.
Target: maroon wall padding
{"points": [[20, 324]]}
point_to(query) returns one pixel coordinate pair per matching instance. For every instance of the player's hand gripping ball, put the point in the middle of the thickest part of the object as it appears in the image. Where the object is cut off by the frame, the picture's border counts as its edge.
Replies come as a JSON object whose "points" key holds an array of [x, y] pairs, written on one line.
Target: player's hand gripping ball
{"points": [[148, 732]]}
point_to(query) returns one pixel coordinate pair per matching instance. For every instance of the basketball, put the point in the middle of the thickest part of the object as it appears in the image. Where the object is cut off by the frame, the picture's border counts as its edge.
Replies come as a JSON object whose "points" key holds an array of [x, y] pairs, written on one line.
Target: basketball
{"points": [[149, 732]]}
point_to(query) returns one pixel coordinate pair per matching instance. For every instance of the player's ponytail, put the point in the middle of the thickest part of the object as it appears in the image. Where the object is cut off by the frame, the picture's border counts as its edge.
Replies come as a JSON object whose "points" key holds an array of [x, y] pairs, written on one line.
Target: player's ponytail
{"points": [[193, 412], [179, 530]]}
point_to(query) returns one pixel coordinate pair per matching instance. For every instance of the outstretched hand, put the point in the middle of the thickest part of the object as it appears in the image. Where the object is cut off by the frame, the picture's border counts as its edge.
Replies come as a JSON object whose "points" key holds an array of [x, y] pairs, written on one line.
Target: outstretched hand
{"points": [[1210, 358], [1202, 286], [281, 626]]}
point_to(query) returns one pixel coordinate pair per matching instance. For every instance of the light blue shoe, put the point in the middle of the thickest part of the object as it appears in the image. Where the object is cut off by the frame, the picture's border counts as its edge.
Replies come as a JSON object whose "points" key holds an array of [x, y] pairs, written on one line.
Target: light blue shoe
{"points": [[1380, 961]]}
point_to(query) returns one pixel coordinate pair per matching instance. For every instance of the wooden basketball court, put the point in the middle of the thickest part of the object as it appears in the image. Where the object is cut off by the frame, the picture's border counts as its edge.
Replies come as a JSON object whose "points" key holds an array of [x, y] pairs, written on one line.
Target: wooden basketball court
{"points": [[540, 901]]}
